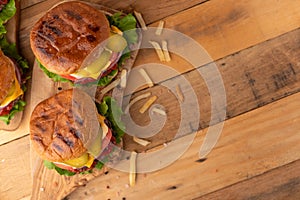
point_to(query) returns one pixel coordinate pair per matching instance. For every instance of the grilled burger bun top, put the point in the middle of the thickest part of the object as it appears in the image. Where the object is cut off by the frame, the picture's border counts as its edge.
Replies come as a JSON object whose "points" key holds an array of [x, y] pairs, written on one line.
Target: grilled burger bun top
{"points": [[66, 34], [64, 126], [7, 76]]}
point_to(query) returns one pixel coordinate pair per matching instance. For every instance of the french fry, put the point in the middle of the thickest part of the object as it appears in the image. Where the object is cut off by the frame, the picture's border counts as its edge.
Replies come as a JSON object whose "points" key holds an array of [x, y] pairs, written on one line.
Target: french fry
{"points": [[146, 77], [132, 173], [148, 104], [160, 27], [141, 141], [158, 50], [123, 78], [111, 86], [159, 111], [141, 20], [136, 99], [166, 51]]}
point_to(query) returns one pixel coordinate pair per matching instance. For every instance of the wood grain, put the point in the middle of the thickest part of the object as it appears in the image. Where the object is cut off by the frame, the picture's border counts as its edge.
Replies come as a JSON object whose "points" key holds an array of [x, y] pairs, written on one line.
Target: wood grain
{"points": [[163, 8], [280, 183], [152, 11], [249, 141], [15, 169], [47, 184], [252, 78], [250, 145], [221, 29]]}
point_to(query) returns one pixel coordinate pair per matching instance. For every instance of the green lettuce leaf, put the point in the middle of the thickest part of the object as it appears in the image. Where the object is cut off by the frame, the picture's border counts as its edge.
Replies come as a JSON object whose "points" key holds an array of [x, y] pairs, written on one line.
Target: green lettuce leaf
{"points": [[113, 113], [64, 171], [127, 24], [99, 165], [51, 165], [123, 58], [6, 13], [53, 76], [101, 82], [11, 51], [18, 107]]}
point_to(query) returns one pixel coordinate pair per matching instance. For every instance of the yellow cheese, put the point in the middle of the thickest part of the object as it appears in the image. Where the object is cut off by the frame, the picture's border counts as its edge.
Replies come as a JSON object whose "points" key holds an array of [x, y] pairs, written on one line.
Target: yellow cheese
{"points": [[95, 148], [87, 159], [115, 29], [85, 74], [14, 93], [103, 125], [90, 161]]}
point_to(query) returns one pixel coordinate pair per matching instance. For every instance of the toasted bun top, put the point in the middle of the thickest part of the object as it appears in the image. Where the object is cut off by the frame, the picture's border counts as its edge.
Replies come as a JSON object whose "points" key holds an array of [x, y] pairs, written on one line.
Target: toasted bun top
{"points": [[63, 126], [66, 34], [7, 75]]}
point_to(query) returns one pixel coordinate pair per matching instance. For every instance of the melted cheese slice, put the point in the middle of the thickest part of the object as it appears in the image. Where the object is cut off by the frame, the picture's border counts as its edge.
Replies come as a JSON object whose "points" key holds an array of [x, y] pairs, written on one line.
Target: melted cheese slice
{"points": [[103, 125], [91, 158], [90, 161], [84, 73], [87, 164], [14, 92]]}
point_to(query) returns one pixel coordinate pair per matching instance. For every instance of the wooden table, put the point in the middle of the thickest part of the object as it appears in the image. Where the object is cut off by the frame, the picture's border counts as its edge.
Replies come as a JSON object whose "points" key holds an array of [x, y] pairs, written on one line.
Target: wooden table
{"points": [[255, 46]]}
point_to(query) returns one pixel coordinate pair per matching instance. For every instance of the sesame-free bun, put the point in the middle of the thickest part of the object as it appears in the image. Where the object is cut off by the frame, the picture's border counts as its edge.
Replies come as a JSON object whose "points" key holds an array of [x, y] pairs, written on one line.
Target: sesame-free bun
{"points": [[63, 126], [66, 34], [7, 75]]}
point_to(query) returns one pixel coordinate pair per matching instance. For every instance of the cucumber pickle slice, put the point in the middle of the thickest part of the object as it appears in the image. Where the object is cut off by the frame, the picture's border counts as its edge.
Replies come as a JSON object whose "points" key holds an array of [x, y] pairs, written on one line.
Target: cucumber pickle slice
{"points": [[116, 43]]}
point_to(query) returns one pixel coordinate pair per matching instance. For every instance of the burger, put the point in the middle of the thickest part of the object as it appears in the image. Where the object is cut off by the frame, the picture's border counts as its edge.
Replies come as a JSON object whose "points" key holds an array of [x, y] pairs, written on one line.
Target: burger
{"points": [[11, 88], [74, 135], [76, 42], [13, 68]]}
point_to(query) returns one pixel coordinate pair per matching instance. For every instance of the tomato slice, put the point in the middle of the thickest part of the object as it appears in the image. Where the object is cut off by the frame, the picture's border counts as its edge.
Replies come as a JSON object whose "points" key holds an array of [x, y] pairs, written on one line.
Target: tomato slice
{"points": [[106, 140], [71, 78], [6, 109], [62, 166], [109, 70]]}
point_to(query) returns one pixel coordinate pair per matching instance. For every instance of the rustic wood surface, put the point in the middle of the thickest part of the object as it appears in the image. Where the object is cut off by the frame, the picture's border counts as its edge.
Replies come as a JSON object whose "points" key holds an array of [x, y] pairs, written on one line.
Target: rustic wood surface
{"points": [[256, 46], [267, 186]]}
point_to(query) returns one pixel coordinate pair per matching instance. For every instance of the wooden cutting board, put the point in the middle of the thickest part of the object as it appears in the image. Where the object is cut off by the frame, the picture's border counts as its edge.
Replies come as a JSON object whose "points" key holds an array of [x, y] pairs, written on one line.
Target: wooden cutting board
{"points": [[48, 184]]}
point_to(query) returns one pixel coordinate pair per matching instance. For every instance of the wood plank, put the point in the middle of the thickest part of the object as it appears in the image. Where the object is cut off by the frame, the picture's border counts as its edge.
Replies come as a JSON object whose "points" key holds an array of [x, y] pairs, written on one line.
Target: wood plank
{"points": [[242, 67], [152, 11], [162, 9], [28, 3], [280, 183], [225, 28], [15, 169], [246, 149], [222, 29], [252, 78], [250, 145]]}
